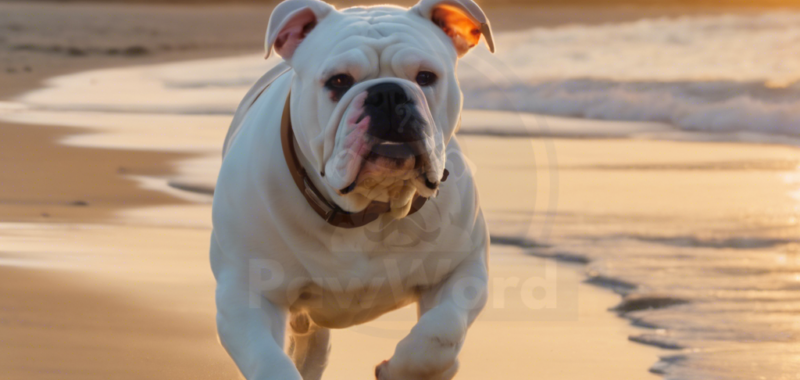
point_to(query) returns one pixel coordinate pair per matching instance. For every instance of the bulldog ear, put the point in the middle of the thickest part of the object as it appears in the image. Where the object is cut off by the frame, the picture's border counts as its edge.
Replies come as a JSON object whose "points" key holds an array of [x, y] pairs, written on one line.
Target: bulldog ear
{"points": [[461, 20], [289, 24]]}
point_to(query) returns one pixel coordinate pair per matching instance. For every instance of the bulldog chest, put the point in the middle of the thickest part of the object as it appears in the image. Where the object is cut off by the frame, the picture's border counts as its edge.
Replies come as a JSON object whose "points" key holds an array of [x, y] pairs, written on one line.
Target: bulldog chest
{"points": [[342, 300]]}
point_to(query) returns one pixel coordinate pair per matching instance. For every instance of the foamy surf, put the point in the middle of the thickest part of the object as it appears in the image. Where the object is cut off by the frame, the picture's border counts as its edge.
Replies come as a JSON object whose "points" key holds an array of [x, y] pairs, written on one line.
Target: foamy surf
{"points": [[712, 106]]}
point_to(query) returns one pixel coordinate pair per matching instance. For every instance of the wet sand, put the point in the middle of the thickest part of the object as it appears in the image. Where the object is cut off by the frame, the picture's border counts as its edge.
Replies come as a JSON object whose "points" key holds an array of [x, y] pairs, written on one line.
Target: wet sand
{"points": [[45, 181]]}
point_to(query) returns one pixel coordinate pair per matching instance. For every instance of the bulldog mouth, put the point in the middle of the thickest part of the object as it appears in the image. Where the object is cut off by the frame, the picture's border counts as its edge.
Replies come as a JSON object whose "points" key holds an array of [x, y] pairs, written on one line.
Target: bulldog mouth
{"points": [[386, 162], [371, 161], [400, 152]]}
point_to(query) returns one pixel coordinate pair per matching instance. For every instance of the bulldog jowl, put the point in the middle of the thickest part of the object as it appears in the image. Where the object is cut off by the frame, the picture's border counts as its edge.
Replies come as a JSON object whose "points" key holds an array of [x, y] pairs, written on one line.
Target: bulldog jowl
{"points": [[383, 151]]}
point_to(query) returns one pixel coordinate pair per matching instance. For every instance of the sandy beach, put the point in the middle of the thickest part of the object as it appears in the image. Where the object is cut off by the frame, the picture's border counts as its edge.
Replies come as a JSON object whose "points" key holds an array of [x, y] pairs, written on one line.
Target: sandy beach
{"points": [[105, 266]]}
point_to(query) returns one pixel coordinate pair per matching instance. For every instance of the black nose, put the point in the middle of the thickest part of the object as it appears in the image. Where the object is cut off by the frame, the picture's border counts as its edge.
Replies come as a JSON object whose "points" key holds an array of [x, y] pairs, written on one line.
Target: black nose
{"points": [[393, 116]]}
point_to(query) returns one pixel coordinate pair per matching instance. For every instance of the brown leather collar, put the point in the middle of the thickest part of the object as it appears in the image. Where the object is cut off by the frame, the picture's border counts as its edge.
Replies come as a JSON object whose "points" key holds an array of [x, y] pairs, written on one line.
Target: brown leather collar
{"points": [[327, 210]]}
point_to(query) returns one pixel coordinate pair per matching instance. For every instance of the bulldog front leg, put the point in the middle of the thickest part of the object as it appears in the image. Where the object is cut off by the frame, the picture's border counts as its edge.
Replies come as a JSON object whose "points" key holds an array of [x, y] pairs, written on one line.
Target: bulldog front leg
{"points": [[430, 351], [309, 346], [251, 332]]}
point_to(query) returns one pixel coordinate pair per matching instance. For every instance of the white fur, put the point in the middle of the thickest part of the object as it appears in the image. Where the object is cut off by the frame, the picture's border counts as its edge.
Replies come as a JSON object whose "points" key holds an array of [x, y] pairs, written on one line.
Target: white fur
{"points": [[278, 264]]}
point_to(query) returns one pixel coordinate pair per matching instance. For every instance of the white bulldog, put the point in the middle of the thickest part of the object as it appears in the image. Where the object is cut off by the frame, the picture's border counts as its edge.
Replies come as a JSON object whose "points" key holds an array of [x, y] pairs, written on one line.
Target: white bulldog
{"points": [[320, 214]]}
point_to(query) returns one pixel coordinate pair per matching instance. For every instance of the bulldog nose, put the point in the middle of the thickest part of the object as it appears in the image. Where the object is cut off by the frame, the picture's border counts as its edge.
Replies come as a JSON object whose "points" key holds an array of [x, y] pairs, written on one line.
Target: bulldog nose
{"points": [[392, 113], [386, 96]]}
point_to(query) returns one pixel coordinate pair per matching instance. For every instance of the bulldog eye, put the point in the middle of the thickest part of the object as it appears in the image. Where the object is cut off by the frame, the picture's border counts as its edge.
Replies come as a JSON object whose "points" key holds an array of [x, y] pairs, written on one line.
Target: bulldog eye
{"points": [[425, 78], [340, 81], [339, 84]]}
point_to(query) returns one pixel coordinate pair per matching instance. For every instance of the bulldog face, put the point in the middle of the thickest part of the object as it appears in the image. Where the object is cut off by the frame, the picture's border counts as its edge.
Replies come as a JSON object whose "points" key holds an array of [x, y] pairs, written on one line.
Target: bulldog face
{"points": [[375, 98]]}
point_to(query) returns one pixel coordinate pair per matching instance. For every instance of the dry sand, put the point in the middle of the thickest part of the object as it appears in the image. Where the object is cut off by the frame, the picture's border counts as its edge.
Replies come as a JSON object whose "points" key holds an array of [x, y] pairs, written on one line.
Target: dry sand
{"points": [[104, 279]]}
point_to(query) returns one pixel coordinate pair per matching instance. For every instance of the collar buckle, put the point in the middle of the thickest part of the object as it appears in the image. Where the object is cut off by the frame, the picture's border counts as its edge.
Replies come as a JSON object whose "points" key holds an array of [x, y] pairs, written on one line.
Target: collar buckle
{"points": [[328, 210]]}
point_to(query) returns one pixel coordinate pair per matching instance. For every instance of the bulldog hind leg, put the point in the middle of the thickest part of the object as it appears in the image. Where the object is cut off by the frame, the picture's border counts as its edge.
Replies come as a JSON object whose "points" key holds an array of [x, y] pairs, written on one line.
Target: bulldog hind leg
{"points": [[309, 346]]}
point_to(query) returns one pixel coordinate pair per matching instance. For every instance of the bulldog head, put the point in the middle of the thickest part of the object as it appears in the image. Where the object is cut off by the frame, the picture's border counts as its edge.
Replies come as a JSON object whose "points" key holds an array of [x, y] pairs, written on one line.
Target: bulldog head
{"points": [[375, 99]]}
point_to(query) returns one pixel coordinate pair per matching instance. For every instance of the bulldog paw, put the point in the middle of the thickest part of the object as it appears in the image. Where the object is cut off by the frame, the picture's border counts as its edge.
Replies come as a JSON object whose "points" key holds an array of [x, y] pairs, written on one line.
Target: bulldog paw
{"points": [[381, 370], [387, 371]]}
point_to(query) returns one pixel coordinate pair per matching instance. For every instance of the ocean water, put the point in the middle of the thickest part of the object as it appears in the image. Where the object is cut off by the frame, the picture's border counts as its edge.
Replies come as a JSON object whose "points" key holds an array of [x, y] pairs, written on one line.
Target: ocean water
{"points": [[708, 259], [717, 73]]}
